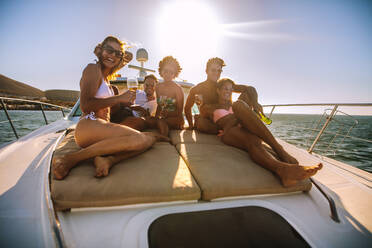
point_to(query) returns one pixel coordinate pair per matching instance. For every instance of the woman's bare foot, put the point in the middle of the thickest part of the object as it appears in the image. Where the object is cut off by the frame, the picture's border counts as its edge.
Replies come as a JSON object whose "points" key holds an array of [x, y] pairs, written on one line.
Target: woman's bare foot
{"points": [[291, 175], [103, 165], [286, 157], [61, 167]]}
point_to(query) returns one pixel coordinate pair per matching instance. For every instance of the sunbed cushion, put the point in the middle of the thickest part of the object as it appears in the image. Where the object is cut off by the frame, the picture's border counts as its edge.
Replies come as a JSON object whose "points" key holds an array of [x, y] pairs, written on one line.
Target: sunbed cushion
{"points": [[157, 175], [224, 171], [195, 137]]}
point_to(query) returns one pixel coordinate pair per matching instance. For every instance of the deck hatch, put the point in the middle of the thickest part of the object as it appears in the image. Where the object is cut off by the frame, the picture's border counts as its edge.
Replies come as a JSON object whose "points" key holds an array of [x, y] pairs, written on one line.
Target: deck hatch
{"points": [[231, 227]]}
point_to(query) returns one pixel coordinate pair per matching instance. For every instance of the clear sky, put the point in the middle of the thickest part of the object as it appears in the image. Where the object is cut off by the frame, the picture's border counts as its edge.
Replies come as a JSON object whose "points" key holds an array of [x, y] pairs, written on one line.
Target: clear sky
{"points": [[292, 51]]}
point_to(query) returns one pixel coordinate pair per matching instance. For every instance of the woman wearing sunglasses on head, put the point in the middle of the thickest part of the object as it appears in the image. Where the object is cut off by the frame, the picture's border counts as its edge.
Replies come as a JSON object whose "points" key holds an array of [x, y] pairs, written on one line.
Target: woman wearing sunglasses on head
{"points": [[94, 132]]}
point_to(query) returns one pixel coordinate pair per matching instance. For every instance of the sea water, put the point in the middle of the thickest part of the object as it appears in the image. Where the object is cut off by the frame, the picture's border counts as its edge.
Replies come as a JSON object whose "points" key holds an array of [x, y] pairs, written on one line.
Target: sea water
{"points": [[24, 121], [298, 130], [295, 129]]}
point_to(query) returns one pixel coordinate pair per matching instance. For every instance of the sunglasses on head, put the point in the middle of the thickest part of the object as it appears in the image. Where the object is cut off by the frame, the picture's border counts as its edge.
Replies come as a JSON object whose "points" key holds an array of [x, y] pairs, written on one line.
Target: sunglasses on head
{"points": [[111, 50]]}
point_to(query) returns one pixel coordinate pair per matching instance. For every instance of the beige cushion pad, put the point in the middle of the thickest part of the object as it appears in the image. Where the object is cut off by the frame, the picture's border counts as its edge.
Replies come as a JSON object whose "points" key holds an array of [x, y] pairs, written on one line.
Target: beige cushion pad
{"points": [[223, 171], [186, 136], [157, 175]]}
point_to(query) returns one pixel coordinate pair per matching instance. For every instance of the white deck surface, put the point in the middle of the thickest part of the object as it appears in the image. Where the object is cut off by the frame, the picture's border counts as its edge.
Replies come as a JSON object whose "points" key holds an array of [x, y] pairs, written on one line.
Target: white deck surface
{"points": [[25, 222]]}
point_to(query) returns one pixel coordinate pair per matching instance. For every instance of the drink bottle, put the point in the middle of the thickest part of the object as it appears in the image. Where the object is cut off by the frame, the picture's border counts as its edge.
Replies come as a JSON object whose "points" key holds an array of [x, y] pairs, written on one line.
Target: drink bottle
{"points": [[265, 119]]}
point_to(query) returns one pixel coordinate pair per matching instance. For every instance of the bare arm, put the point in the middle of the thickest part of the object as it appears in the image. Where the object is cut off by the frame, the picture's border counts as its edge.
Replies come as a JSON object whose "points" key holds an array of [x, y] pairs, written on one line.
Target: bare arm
{"points": [[249, 95], [89, 84], [179, 100], [158, 109], [249, 90], [188, 106], [207, 110], [116, 107]]}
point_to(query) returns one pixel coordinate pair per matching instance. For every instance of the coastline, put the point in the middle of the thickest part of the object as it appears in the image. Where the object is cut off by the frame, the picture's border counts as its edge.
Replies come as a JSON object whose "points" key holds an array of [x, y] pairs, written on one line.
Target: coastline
{"points": [[18, 105]]}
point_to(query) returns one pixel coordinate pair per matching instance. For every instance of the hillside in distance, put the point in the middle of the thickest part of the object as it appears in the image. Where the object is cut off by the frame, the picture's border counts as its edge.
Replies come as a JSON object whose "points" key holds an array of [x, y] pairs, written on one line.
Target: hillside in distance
{"points": [[10, 87]]}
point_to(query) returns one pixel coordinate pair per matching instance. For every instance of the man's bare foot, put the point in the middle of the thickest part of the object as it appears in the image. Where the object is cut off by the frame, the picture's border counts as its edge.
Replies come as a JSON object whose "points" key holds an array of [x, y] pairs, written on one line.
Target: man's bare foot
{"points": [[291, 175], [286, 157], [60, 167], [103, 165]]}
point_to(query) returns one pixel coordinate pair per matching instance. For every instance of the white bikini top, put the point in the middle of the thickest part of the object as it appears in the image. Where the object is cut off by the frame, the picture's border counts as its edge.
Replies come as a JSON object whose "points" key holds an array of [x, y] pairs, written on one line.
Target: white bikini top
{"points": [[104, 91]]}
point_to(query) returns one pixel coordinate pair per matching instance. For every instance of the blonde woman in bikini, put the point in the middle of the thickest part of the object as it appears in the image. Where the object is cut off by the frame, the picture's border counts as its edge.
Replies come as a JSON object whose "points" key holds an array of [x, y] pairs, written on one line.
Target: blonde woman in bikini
{"points": [[94, 133], [229, 117]]}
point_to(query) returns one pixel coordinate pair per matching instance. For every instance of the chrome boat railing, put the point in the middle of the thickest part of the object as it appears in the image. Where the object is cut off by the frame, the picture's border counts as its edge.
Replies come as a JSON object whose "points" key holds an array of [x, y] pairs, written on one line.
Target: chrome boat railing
{"points": [[328, 117], [41, 104]]}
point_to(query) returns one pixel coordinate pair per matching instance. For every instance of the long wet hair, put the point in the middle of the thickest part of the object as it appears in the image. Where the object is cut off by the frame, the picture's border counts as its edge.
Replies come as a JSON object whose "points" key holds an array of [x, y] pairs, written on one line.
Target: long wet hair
{"points": [[98, 52]]}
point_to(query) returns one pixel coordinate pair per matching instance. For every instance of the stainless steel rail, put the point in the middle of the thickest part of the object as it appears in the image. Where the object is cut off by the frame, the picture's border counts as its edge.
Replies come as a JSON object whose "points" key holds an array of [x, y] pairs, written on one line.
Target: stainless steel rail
{"points": [[333, 209], [41, 104], [331, 202], [328, 118]]}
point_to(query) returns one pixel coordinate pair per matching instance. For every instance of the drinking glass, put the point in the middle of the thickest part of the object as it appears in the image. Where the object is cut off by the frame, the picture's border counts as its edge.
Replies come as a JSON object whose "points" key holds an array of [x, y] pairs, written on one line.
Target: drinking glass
{"points": [[132, 84]]}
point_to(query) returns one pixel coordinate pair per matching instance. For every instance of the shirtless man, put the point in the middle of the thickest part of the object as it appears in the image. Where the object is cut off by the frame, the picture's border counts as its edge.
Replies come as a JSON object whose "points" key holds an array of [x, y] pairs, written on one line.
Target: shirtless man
{"points": [[208, 91], [248, 108]]}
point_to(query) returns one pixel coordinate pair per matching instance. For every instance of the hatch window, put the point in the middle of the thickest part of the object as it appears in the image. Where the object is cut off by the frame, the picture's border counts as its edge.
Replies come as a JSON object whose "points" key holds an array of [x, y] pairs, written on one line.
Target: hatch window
{"points": [[233, 227]]}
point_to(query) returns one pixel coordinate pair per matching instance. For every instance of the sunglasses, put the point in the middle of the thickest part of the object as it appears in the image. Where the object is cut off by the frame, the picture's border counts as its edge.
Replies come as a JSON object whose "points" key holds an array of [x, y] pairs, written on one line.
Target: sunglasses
{"points": [[110, 50]]}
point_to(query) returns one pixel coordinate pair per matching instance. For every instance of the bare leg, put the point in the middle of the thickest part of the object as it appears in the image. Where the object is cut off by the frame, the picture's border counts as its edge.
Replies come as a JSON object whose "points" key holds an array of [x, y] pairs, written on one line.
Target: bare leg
{"points": [[134, 122], [290, 174], [163, 127], [249, 120], [175, 122], [102, 138], [104, 164], [151, 122], [205, 125], [131, 143]]}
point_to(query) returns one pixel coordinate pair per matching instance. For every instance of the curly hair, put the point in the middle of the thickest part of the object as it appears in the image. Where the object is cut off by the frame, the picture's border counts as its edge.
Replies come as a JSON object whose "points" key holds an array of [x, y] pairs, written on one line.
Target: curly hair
{"points": [[98, 52], [169, 60], [221, 82], [217, 61]]}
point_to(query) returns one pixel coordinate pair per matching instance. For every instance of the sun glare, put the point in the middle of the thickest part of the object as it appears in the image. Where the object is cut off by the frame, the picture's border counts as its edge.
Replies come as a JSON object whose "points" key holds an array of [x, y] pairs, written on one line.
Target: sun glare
{"points": [[188, 30]]}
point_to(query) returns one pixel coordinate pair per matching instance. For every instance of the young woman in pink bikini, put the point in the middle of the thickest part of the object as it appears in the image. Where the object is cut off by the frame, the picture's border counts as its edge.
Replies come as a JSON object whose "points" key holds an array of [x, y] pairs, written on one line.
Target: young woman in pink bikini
{"points": [[94, 132], [231, 120]]}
